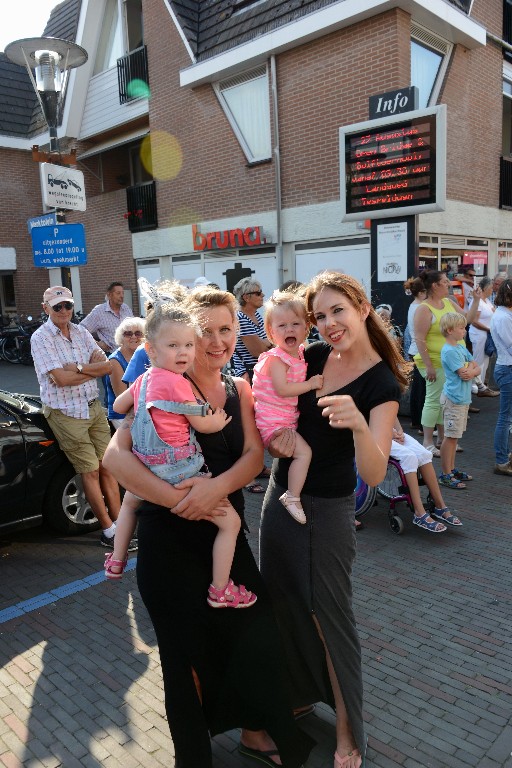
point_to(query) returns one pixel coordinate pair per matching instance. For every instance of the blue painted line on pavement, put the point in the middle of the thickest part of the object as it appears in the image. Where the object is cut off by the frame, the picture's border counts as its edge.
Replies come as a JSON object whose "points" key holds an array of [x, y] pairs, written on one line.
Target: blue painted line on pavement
{"points": [[45, 598]]}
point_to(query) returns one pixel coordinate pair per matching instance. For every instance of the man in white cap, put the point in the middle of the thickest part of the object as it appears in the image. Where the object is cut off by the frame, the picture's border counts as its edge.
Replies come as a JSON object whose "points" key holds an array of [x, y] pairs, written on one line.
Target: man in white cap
{"points": [[67, 361]]}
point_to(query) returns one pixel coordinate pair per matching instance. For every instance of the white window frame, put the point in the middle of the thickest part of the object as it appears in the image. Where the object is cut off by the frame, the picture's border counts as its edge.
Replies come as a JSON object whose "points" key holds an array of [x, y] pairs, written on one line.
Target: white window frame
{"points": [[429, 39], [245, 77]]}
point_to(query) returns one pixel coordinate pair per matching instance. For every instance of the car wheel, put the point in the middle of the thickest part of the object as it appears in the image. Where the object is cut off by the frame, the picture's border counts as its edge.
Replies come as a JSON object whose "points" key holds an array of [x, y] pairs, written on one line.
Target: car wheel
{"points": [[65, 507]]}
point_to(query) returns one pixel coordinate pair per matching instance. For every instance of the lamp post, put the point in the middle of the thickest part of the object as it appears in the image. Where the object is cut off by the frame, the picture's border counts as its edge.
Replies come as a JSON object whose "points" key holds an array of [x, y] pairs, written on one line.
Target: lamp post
{"points": [[51, 59]]}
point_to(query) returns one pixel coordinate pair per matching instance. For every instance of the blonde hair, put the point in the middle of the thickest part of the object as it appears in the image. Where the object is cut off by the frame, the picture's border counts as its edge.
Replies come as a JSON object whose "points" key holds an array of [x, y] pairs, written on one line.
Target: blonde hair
{"points": [[379, 338], [450, 321], [173, 307], [205, 297], [288, 299]]}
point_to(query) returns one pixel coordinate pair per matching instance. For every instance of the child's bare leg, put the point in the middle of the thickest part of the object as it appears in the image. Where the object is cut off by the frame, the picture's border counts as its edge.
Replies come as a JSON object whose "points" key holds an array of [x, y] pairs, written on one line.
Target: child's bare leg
{"points": [[125, 526], [448, 449], [414, 490], [299, 466], [429, 475], [224, 546]]}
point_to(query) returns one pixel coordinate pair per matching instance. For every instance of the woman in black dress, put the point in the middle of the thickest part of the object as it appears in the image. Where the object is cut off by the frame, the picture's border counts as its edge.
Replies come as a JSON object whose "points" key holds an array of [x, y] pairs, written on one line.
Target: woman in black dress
{"points": [[235, 655], [308, 567]]}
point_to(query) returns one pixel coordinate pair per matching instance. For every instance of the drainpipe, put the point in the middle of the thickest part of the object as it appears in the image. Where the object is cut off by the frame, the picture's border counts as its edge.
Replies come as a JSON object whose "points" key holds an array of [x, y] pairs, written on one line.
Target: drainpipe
{"points": [[277, 162], [498, 40]]}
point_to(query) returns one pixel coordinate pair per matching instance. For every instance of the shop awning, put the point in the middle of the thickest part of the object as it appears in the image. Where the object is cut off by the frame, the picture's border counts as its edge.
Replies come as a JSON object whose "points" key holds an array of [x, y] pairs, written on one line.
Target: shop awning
{"points": [[116, 141]]}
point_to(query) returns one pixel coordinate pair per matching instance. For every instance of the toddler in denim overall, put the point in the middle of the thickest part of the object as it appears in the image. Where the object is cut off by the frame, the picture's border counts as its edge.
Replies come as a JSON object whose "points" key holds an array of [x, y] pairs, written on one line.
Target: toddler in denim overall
{"points": [[170, 342]]}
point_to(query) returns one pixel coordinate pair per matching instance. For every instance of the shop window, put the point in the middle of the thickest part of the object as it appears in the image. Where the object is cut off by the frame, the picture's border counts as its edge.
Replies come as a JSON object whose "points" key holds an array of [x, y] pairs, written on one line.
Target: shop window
{"points": [[245, 101], [429, 60]]}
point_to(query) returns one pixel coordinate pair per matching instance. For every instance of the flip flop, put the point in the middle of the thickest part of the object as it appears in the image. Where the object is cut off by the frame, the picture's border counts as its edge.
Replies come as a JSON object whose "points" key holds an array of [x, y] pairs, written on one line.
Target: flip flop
{"points": [[264, 756], [303, 712], [255, 488]]}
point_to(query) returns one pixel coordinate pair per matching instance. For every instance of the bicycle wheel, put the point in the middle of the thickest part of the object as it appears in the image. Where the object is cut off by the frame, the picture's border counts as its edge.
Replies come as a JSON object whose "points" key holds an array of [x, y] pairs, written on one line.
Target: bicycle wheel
{"points": [[10, 350], [25, 352]]}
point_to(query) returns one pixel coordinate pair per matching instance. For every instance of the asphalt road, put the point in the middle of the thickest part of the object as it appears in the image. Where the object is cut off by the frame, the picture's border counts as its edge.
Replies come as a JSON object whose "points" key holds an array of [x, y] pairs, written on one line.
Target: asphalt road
{"points": [[80, 681]]}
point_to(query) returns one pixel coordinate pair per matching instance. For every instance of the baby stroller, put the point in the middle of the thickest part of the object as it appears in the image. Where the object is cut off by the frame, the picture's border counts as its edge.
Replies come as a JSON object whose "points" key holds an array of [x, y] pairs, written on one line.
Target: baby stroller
{"points": [[394, 488]]}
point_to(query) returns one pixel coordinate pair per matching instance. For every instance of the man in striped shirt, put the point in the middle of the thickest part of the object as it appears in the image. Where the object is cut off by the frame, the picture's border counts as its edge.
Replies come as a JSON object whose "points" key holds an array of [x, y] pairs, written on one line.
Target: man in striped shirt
{"points": [[103, 320]]}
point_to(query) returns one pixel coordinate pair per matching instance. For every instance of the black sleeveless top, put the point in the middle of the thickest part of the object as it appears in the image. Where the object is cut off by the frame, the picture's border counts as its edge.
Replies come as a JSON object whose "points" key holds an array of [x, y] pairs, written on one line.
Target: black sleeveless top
{"points": [[331, 472]]}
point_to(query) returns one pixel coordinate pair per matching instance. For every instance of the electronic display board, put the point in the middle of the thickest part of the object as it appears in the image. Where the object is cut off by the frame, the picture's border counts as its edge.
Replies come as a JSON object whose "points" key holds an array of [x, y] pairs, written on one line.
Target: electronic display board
{"points": [[394, 166]]}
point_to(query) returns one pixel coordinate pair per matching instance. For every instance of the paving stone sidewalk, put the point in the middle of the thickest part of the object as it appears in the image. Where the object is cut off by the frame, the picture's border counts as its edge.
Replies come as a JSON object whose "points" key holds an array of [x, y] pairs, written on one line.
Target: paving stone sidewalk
{"points": [[80, 681]]}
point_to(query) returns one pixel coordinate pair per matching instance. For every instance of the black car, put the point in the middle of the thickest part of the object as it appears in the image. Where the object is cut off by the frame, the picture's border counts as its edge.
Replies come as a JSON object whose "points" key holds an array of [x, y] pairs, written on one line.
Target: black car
{"points": [[37, 482]]}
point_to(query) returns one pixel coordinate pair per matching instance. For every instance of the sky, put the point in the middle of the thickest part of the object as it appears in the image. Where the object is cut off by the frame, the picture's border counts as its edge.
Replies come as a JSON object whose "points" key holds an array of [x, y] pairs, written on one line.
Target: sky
{"points": [[24, 18]]}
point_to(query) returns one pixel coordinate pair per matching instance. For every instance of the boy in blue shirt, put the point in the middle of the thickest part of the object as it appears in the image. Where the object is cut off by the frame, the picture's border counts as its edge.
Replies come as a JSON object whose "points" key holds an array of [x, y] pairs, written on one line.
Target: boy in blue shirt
{"points": [[459, 369]]}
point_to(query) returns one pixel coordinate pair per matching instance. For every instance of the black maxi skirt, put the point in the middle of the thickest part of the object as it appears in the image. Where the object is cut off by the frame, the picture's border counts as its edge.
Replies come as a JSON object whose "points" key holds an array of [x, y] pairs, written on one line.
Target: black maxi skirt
{"points": [[307, 569]]}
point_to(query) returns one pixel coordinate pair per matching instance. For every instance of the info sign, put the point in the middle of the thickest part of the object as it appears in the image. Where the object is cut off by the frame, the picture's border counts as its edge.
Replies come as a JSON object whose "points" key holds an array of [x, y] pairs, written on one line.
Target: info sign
{"points": [[60, 246], [394, 166]]}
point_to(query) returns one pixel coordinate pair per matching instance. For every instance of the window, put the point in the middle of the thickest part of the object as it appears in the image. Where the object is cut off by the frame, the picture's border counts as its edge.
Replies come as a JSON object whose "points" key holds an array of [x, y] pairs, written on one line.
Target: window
{"points": [[507, 119], [429, 60], [121, 19], [245, 101]]}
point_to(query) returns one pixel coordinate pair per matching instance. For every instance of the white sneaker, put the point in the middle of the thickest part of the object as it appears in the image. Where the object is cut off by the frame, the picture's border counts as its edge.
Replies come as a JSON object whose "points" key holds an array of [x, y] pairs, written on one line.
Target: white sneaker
{"points": [[293, 506], [474, 389]]}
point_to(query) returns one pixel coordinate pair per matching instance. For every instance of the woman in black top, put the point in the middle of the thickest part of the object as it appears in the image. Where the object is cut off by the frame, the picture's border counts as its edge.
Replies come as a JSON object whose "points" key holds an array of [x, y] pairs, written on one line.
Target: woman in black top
{"points": [[235, 655], [308, 567]]}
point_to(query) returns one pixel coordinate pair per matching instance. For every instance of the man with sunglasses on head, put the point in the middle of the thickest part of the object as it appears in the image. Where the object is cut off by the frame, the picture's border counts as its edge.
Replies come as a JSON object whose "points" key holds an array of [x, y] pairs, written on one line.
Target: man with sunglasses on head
{"points": [[67, 361]]}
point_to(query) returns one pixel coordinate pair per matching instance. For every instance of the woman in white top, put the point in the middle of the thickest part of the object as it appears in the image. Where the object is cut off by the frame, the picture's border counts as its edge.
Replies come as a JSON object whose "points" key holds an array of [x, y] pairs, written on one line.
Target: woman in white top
{"points": [[480, 327], [417, 389]]}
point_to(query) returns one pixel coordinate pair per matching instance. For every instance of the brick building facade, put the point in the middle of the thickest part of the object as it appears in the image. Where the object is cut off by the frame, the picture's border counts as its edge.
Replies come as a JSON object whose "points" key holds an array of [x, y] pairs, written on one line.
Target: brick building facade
{"points": [[246, 101]]}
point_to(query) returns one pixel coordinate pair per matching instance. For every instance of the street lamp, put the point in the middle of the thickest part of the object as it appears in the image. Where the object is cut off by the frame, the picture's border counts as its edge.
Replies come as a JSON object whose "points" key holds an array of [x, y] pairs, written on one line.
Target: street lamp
{"points": [[51, 59]]}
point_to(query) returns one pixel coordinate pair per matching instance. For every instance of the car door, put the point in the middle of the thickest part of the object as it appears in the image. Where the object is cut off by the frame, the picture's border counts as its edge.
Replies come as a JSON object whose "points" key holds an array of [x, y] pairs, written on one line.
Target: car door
{"points": [[12, 470]]}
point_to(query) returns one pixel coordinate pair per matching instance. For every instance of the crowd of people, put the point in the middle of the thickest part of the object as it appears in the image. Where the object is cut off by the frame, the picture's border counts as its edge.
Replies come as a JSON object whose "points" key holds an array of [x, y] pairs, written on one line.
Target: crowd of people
{"points": [[195, 392]]}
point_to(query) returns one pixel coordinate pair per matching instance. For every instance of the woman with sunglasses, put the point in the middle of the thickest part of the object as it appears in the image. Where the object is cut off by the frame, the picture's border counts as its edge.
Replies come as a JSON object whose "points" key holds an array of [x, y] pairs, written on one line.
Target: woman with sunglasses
{"points": [[128, 336], [252, 339]]}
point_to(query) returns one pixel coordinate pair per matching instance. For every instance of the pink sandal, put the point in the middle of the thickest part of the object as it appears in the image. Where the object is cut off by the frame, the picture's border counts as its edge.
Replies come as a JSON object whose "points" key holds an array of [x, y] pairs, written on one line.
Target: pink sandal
{"points": [[109, 562], [230, 596], [340, 762]]}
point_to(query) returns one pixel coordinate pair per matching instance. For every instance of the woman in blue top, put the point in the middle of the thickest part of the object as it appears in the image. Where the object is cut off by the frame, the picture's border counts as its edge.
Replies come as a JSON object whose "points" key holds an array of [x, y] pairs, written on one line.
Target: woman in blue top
{"points": [[128, 336]]}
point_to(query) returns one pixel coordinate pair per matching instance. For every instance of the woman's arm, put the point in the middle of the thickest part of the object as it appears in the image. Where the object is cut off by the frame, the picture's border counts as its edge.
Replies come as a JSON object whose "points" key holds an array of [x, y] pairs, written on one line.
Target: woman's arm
{"points": [[116, 381], [422, 323], [254, 345], [372, 442], [205, 495]]}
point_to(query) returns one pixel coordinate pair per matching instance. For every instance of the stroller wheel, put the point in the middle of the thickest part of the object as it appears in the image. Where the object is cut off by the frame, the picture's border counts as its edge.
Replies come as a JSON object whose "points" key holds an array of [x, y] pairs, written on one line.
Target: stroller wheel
{"points": [[396, 524]]}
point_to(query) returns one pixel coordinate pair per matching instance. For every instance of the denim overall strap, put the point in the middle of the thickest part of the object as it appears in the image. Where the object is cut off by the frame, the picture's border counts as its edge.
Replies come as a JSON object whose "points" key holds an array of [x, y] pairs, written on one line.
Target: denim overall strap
{"points": [[185, 409]]}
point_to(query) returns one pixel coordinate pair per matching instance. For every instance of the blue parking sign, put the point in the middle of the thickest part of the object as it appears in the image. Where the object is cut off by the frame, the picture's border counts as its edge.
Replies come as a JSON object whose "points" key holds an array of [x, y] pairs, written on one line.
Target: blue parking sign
{"points": [[62, 245]]}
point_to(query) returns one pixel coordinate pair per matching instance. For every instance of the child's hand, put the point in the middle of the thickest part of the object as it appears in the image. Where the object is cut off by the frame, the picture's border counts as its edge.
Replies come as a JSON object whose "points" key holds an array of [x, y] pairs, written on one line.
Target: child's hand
{"points": [[398, 437], [219, 417], [317, 381]]}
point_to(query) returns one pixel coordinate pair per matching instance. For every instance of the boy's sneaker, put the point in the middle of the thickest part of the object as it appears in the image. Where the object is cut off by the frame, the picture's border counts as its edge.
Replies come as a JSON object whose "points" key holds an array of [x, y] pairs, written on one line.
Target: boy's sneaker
{"points": [[106, 542], [503, 469]]}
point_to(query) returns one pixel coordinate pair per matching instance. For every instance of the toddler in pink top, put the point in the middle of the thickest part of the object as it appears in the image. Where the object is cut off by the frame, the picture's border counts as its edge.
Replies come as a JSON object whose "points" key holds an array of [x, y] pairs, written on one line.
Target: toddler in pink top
{"points": [[279, 378]]}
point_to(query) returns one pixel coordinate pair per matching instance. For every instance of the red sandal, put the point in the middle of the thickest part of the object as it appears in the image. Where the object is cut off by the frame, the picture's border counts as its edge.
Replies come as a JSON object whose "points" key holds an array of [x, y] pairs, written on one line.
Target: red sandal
{"points": [[230, 597], [109, 562]]}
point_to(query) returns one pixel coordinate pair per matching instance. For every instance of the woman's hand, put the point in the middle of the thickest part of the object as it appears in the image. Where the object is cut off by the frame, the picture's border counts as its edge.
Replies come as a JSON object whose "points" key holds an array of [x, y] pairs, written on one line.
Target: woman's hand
{"points": [[398, 436], [342, 413], [430, 373], [282, 445], [202, 502]]}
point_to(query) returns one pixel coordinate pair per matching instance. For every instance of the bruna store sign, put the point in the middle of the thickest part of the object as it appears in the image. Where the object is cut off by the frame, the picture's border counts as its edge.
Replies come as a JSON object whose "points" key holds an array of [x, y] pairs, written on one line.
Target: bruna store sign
{"points": [[227, 238], [394, 166]]}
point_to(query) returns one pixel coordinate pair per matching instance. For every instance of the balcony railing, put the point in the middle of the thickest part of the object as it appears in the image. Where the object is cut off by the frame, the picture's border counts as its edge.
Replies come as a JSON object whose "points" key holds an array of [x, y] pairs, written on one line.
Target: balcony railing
{"points": [[141, 206], [132, 75], [505, 182]]}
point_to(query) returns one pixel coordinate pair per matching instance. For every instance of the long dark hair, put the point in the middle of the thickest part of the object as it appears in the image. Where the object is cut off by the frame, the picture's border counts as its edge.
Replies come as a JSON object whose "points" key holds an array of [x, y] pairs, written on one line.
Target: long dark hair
{"points": [[380, 339]]}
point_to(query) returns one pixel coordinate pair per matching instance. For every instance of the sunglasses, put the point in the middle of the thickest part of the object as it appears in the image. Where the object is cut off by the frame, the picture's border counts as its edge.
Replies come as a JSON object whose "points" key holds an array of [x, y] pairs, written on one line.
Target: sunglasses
{"points": [[254, 293], [63, 305], [137, 334]]}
